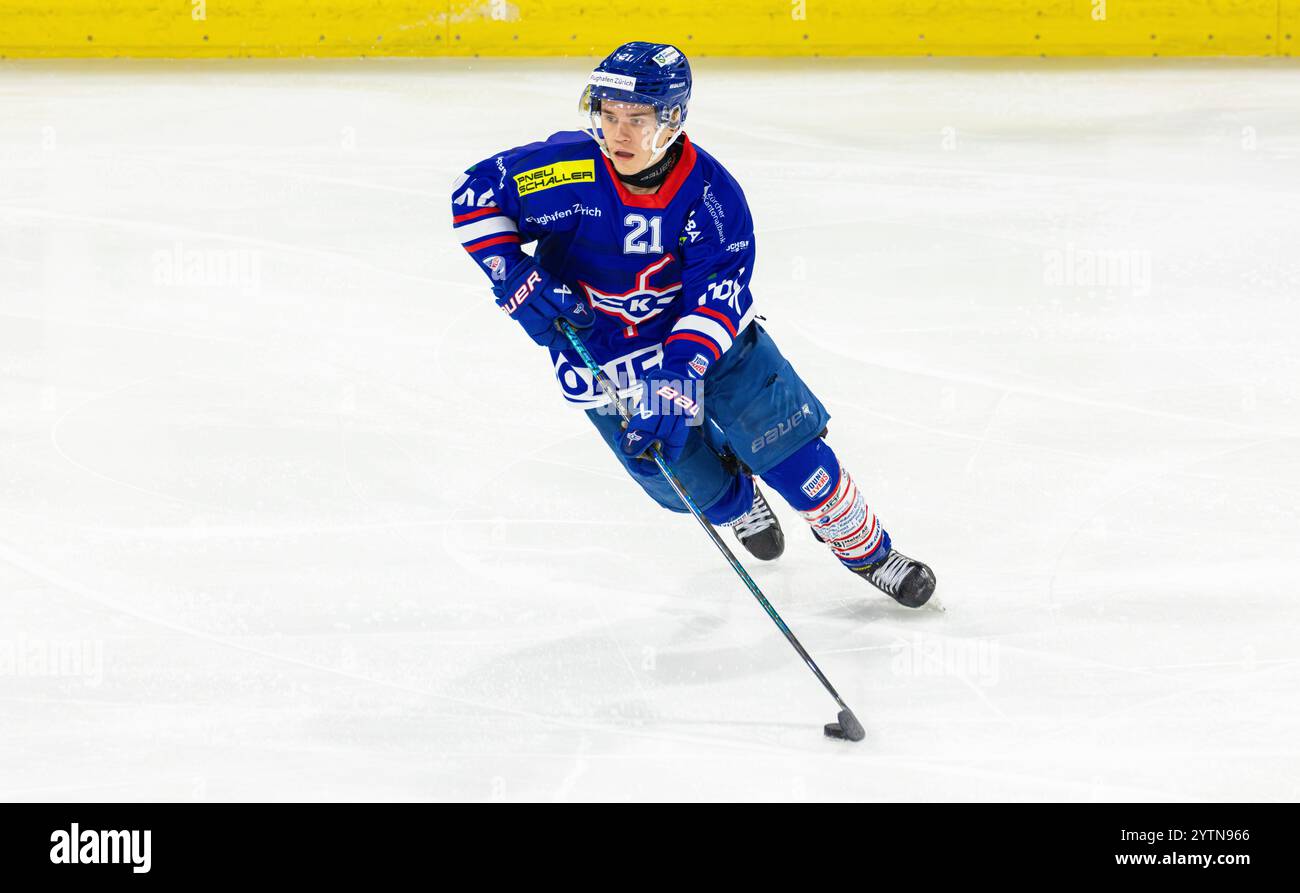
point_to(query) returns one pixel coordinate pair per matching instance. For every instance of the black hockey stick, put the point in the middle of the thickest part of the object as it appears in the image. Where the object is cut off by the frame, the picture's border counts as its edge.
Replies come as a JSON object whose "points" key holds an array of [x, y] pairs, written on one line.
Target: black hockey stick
{"points": [[848, 725]]}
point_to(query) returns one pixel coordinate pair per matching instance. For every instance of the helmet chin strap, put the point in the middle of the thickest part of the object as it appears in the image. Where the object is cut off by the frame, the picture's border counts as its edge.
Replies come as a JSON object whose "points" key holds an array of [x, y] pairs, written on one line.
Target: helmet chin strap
{"points": [[656, 154]]}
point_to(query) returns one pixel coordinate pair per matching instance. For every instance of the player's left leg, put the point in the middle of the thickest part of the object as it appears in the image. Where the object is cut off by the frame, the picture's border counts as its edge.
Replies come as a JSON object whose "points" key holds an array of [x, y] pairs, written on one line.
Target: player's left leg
{"points": [[815, 484], [774, 422], [725, 493]]}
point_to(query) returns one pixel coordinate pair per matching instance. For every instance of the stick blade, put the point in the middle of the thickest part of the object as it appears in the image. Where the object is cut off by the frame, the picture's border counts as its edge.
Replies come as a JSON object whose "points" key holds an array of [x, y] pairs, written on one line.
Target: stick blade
{"points": [[848, 727]]}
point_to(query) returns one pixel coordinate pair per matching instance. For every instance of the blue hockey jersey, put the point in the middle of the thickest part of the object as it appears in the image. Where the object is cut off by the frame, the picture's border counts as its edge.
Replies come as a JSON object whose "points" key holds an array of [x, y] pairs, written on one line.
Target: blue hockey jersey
{"points": [[666, 274]]}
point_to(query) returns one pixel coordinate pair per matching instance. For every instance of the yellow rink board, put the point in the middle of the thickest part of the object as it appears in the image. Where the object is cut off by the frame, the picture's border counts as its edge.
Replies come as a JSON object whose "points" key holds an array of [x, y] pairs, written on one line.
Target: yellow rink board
{"points": [[334, 28]]}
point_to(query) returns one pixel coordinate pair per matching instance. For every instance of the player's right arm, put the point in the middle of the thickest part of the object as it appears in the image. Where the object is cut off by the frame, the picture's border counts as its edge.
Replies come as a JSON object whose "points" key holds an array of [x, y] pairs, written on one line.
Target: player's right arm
{"points": [[485, 213]]}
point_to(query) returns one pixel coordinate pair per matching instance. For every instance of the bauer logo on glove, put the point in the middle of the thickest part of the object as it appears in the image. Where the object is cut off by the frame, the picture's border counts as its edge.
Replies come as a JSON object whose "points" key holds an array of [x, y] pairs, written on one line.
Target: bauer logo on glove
{"points": [[673, 399], [521, 294], [536, 299], [663, 418]]}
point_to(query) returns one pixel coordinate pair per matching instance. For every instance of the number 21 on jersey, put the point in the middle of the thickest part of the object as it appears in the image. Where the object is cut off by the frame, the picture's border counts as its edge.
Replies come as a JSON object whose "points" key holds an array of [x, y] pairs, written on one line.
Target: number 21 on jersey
{"points": [[635, 242]]}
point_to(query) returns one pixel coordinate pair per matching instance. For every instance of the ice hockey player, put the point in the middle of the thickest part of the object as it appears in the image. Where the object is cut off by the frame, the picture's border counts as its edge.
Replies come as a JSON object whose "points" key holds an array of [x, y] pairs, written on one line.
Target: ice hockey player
{"points": [[645, 244]]}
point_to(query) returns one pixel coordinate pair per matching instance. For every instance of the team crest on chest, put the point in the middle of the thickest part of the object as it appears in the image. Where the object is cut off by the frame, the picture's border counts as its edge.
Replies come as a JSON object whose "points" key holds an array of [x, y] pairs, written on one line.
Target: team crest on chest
{"points": [[640, 303]]}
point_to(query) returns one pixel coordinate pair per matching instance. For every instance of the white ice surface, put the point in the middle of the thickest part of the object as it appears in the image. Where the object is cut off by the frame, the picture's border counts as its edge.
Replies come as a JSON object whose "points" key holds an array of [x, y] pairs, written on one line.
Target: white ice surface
{"points": [[328, 531]]}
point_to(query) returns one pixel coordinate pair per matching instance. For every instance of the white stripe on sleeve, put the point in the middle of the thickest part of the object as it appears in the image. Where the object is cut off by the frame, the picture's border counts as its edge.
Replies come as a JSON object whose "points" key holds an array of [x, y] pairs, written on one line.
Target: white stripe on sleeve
{"points": [[487, 227], [692, 322], [747, 318]]}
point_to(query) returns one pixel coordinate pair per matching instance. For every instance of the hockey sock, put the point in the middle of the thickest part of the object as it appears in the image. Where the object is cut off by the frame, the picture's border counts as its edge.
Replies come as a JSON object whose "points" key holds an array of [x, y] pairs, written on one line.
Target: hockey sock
{"points": [[734, 502], [815, 484]]}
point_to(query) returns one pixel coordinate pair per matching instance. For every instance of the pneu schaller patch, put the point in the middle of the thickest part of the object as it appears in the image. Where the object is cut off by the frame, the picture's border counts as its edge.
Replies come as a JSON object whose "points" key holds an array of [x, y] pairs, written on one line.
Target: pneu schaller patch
{"points": [[562, 173]]}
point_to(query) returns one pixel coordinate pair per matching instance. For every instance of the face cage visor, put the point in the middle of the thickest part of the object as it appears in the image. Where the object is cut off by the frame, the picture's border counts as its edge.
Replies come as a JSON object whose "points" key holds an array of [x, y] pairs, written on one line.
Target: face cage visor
{"points": [[669, 119]]}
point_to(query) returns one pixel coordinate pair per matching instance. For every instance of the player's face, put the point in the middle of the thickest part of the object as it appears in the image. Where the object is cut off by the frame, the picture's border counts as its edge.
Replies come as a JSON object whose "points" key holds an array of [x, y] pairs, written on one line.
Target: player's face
{"points": [[629, 134]]}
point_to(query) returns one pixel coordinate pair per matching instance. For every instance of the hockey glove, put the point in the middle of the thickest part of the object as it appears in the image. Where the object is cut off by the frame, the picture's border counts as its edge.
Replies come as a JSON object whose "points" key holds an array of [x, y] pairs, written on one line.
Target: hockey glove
{"points": [[664, 416], [535, 299]]}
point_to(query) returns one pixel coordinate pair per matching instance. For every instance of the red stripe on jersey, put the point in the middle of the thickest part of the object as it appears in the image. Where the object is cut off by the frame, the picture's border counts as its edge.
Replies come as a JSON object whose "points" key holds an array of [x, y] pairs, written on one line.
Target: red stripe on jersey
{"points": [[660, 199], [495, 240], [718, 315], [481, 212], [699, 339]]}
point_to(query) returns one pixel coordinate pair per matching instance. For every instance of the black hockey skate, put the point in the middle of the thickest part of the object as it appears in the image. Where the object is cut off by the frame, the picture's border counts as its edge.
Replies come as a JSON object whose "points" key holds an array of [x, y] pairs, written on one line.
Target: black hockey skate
{"points": [[759, 531], [908, 581]]}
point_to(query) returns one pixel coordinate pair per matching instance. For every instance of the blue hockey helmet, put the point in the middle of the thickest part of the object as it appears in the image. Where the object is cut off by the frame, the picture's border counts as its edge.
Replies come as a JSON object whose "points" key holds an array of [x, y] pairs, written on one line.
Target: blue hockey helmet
{"points": [[641, 73]]}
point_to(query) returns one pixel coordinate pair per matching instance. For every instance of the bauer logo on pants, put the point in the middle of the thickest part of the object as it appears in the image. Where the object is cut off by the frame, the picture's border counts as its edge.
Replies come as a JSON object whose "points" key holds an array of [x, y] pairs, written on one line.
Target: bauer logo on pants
{"points": [[562, 173], [771, 435]]}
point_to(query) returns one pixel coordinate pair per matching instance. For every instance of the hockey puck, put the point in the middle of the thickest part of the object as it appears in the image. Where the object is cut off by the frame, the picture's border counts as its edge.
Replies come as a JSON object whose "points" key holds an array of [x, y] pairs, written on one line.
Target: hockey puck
{"points": [[847, 728]]}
